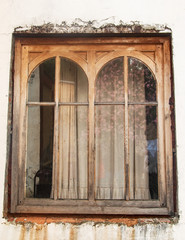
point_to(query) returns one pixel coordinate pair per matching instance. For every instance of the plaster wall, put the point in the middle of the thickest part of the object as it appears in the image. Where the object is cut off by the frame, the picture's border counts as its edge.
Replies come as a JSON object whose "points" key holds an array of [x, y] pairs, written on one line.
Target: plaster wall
{"points": [[23, 14]]}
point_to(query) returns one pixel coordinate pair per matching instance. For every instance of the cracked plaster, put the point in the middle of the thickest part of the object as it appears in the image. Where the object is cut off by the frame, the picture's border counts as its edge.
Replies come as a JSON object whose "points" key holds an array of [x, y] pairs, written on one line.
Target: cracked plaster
{"points": [[109, 25]]}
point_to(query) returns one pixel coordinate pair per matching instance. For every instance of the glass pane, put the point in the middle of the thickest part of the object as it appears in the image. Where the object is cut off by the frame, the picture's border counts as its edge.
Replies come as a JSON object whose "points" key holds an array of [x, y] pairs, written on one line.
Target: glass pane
{"points": [[73, 82], [143, 152], [39, 151], [73, 152], [141, 83], [109, 145], [110, 82], [41, 84]]}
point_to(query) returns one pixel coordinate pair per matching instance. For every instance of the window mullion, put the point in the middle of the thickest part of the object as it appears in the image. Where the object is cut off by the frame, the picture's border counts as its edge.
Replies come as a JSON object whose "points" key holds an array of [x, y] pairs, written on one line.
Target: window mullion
{"points": [[91, 76], [56, 131], [126, 129]]}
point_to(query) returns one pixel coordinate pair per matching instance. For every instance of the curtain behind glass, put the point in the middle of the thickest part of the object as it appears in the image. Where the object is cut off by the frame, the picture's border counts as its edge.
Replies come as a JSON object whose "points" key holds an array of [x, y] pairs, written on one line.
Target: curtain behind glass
{"points": [[73, 154], [109, 132], [142, 132]]}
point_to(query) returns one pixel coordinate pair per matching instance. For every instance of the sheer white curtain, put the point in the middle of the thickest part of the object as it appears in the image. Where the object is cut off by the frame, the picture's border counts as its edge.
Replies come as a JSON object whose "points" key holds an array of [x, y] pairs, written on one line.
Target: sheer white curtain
{"points": [[68, 145], [109, 133], [110, 152], [138, 155], [73, 155]]}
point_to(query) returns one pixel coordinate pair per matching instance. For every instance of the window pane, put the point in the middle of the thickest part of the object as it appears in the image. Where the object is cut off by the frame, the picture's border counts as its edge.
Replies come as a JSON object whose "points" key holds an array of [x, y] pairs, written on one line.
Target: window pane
{"points": [[109, 145], [73, 152], [73, 82], [39, 151], [41, 83], [143, 152], [110, 82], [141, 83]]}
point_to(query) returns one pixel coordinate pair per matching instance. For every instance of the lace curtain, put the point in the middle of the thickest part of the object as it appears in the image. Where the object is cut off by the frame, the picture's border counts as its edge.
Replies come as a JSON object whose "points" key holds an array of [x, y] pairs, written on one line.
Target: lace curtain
{"points": [[73, 144]]}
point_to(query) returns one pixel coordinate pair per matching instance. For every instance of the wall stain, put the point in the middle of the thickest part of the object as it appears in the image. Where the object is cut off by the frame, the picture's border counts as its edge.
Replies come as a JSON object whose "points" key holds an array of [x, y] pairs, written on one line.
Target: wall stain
{"points": [[45, 233], [38, 232], [119, 237], [104, 231], [22, 233], [73, 233], [31, 233], [133, 234]]}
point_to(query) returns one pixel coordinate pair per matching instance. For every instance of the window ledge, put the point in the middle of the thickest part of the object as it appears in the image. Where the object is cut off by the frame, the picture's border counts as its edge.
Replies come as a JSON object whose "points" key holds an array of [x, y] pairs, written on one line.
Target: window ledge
{"points": [[74, 219]]}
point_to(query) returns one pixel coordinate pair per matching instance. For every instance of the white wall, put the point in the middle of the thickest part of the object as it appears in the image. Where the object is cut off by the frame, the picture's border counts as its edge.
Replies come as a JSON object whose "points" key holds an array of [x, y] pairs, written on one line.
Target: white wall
{"points": [[15, 13]]}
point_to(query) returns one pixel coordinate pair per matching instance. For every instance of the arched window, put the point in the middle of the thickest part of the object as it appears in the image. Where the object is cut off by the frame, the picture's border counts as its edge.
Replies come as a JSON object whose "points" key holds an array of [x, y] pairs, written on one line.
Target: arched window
{"points": [[113, 130], [92, 127], [57, 118], [109, 131], [40, 130]]}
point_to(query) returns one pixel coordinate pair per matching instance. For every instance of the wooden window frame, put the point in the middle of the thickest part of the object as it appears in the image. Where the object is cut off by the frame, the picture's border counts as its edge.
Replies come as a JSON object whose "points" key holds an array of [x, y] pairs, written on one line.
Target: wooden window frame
{"points": [[91, 53]]}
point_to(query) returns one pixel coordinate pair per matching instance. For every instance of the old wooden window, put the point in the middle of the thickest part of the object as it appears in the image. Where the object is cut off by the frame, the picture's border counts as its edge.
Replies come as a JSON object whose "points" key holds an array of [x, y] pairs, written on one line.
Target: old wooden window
{"points": [[92, 126]]}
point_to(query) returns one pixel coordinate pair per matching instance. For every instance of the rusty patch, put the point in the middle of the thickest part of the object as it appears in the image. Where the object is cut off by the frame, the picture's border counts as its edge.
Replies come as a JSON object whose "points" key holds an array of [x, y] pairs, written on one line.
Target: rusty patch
{"points": [[78, 220], [30, 219]]}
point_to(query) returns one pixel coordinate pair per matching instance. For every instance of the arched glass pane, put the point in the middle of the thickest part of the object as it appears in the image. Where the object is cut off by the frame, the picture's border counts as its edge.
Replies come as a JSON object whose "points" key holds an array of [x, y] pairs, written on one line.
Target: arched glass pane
{"points": [[141, 83], [73, 82], [41, 84], [110, 82], [109, 132], [40, 130], [143, 139], [73, 132]]}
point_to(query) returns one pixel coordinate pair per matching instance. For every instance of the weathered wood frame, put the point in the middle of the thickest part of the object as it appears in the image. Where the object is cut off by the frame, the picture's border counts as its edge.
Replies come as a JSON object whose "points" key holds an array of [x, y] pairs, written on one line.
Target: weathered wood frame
{"points": [[155, 53]]}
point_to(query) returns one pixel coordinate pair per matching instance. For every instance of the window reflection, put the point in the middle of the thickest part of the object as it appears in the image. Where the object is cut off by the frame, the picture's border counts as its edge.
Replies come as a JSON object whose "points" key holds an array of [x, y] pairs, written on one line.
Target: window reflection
{"points": [[142, 131], [142, 85], [41, 84]]}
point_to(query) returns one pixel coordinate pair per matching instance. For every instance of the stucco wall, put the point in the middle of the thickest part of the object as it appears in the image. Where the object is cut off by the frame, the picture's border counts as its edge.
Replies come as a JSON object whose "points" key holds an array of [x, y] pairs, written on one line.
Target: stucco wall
{"points": [[162, 14]]}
